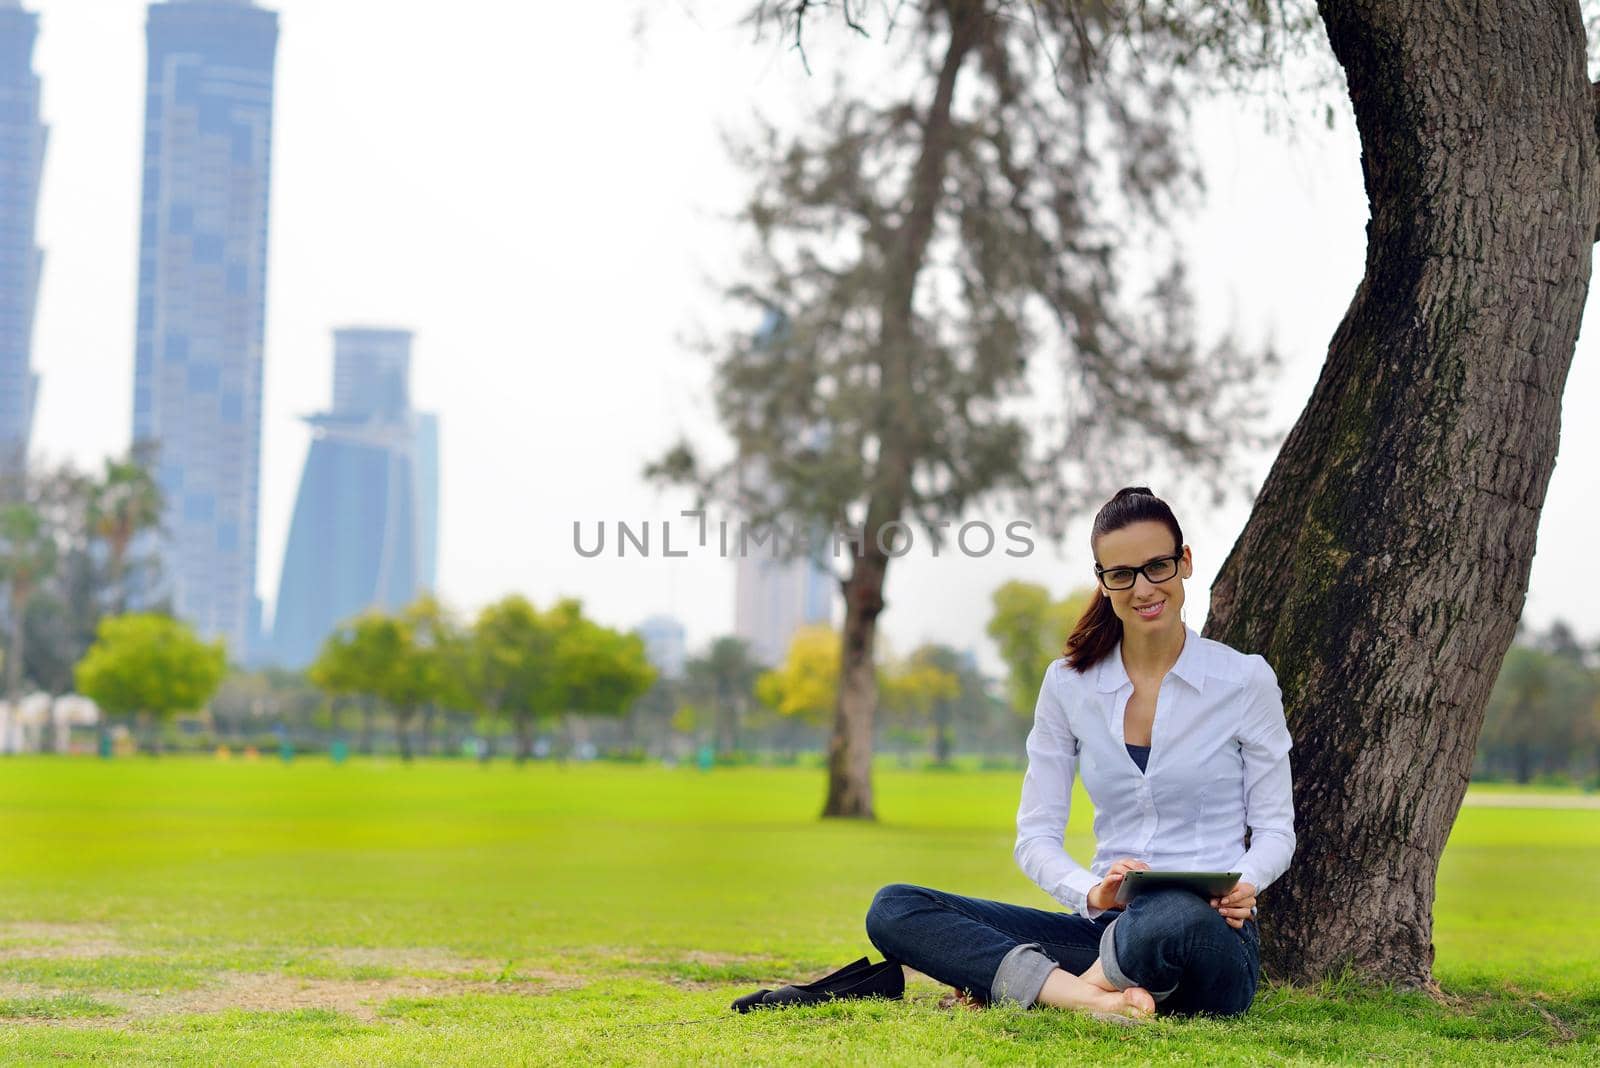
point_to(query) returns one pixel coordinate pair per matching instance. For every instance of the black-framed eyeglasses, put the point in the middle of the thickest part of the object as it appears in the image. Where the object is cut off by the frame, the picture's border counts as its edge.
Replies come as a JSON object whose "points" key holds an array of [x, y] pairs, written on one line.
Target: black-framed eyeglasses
{"points": [[1160, 569]]}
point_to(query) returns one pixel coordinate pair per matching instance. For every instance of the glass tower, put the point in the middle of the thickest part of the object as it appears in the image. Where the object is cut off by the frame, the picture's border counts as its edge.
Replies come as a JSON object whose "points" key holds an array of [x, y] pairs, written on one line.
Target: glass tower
{"points": [[202, 299], [365, 527], [775, 597], [22, 137]]}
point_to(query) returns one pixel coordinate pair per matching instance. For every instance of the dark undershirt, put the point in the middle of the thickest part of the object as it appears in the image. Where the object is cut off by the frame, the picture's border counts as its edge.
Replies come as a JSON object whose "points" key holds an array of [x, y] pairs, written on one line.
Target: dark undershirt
{"points": [[1140, 754]]}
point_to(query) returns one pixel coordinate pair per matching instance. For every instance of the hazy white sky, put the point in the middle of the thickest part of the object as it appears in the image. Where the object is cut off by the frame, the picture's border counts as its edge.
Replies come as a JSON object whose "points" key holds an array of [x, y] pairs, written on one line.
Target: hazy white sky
{"points": [[537, 193]]}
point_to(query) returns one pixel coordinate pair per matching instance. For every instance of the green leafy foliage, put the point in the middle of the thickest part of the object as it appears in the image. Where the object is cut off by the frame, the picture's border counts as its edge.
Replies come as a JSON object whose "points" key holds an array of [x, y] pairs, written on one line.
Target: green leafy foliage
{"points": [[150, 664], [1030, 627]]}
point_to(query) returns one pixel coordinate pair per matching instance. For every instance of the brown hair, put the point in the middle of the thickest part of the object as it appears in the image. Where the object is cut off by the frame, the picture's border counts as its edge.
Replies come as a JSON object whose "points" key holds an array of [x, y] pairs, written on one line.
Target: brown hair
{"points": [[1099, 630]]}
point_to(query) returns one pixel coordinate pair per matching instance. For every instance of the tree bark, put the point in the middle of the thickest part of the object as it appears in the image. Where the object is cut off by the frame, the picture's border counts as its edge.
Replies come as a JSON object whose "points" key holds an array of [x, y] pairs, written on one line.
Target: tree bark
{"points": [[402, 731], [850, 744], [524, 737], [1384, 566], [17, 650], [486, 745], [941, 733]]}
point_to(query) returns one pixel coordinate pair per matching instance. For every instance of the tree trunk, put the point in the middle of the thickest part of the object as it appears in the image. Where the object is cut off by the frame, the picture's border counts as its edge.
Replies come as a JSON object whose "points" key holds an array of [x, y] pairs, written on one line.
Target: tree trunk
{"points": [[366, 726], [1524, 763], [941, 733], [428, 711], [524, 737], [727, 727], [1385, 564], [850, 745], [16, 651], [117, 552], [486, 744], [402, 731]]}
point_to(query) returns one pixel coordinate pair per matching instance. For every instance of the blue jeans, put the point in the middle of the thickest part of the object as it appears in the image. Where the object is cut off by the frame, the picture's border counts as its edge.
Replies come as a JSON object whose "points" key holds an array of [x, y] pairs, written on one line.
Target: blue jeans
{"points": [[1171, 942]]}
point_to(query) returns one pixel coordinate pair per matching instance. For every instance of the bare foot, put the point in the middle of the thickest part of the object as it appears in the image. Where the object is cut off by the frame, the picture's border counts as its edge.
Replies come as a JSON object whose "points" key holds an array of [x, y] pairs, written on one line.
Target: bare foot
{"points": [[1063, 990], [1134, 1002]]}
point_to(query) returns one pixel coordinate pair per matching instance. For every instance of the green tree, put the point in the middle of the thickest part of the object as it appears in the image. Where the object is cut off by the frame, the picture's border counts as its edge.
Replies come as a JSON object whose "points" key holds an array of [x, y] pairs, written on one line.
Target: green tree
{"points": [[1535, 718], [512, 667], [66, 603], [723, 681], [916, 252], [1030, 629], [542, 666], [149, 667], [333, 672], [805, 685], [358, 659], [1516, 718], [923, 689], [599, 671], [1589, 730], [436, 652], [124, 503], [27, 558]]}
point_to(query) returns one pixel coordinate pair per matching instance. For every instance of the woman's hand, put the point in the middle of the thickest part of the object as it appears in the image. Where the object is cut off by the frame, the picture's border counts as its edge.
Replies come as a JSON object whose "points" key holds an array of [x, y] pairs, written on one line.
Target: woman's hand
{"points": [[1237, 905], [1104, 895]]}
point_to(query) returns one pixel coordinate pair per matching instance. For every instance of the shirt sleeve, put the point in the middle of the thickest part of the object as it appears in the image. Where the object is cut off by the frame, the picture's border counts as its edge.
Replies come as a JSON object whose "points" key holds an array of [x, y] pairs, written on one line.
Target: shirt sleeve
{"points": [[1047, 801], [1268, 789]]}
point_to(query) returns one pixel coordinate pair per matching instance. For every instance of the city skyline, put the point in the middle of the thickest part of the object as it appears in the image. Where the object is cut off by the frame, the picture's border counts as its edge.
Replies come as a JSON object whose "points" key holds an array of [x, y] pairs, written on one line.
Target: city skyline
{"points": [[202, 294], [399, 199], [22, 147]]}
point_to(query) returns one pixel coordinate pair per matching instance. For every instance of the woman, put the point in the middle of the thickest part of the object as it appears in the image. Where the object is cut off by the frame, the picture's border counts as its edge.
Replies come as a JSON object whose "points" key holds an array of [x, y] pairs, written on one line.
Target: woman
{"points": [[1183, 749]]}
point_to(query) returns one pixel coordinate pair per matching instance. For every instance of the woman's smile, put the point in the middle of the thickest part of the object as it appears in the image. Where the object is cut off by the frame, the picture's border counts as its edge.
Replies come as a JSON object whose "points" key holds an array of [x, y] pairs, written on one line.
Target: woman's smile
{"points": [[1151, 611]]}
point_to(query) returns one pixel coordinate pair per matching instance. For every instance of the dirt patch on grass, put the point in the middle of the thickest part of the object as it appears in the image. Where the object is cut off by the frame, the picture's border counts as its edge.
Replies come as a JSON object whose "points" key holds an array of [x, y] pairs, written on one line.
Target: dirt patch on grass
{"points": [[58, 940], [412, 959], [359, 999]]}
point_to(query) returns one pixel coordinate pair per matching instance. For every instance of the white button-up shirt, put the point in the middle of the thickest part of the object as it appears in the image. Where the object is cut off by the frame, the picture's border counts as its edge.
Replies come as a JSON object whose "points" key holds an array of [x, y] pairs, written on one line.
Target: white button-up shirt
{"points": [[1219, 763]]}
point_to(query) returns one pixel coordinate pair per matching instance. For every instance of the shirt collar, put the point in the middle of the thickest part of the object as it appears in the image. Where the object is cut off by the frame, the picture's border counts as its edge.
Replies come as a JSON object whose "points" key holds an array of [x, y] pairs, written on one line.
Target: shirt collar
{"points": [[1191, 668]]}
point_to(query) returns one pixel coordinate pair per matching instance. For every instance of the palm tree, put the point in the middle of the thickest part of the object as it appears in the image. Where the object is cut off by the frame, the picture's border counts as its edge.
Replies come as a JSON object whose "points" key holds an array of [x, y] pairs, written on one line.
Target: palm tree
{"points": [[27, 558], [123, 505], [726, 678]]}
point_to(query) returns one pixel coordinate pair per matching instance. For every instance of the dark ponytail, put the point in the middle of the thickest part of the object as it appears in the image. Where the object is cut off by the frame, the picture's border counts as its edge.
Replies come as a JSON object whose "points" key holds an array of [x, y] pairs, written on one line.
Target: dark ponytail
{"points": [[1099, 630]]}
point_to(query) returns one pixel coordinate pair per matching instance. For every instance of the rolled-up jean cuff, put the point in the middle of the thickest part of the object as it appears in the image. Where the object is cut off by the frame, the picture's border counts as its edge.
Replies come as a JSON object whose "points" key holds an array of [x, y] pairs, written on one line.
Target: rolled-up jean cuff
{"points": [[1021, 975], [1113, 968]]}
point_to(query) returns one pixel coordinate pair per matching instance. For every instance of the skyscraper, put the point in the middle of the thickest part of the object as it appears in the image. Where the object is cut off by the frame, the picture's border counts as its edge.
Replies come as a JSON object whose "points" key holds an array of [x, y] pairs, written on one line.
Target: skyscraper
{"points": [[774, 597], [202, 299], [22, 138], [365, 527], [664, 645]]}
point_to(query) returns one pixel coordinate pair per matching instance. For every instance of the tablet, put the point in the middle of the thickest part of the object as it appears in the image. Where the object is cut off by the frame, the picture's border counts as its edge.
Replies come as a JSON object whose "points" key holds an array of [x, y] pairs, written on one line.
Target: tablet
{"points": [[1208, 884]]}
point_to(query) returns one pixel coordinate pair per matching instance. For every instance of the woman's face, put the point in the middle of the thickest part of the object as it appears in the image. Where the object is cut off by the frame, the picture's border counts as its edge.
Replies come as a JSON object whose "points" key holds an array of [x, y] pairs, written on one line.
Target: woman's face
{"points": [[1134, 545]]}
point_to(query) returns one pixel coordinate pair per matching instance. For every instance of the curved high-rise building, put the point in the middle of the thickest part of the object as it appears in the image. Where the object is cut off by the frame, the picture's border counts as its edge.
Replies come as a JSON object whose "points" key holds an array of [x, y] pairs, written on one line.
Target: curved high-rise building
{"points": [[365, 527], [202, 300], [22, 139]]}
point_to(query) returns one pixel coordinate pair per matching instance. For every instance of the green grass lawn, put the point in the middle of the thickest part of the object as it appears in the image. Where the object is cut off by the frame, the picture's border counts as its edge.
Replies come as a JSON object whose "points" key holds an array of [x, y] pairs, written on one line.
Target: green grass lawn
{"points": [[189, 911]]}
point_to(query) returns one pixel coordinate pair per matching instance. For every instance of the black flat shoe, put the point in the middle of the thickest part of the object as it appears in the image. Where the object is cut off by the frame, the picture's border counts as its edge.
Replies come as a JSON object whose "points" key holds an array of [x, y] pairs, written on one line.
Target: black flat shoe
{"points": [[750, 1001], [841, 978], [886, 979]]}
